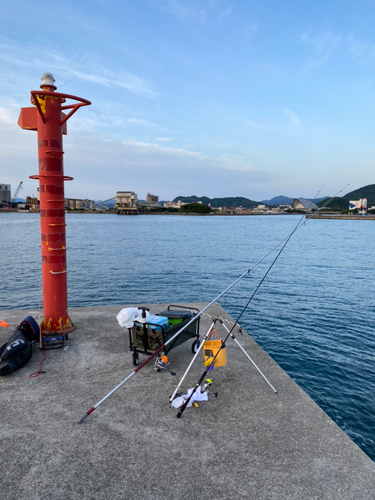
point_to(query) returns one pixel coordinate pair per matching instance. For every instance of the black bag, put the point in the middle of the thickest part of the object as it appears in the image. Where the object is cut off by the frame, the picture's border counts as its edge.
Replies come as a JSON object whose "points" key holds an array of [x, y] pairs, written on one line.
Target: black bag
{"points": [[18, 350]]}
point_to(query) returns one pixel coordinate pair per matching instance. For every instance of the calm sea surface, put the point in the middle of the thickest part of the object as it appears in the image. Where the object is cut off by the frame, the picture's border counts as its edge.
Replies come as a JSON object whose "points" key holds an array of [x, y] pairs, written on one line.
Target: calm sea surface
{"points": [[314, 314]]}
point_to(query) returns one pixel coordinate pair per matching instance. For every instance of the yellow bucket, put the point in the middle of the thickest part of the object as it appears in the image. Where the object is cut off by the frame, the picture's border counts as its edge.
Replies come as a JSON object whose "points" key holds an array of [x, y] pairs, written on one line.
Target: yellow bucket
{"points": [[211, 347]]}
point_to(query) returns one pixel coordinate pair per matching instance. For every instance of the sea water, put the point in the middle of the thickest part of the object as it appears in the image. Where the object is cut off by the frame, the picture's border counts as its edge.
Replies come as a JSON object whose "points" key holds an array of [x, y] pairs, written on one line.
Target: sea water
{"points": [[314, 313]]}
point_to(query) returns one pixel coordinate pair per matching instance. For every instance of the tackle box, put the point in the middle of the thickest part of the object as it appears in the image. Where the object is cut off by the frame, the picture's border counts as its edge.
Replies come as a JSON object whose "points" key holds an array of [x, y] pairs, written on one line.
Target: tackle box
{"points": [[148, 337], [155, 322]]}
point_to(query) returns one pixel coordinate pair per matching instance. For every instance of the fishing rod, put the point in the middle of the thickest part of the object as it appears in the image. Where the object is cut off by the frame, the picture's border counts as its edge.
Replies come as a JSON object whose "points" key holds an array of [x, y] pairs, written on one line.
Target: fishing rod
{"points": [[194, 358], [221, 321], [246, 354], [187, 324], [212, 364], [285, 241], [161, 348]]}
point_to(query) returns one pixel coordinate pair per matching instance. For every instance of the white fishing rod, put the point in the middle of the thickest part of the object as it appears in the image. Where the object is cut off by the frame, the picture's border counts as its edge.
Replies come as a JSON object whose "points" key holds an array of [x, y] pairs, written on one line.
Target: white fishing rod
{"points": [[285, 241], [194, 358], [160, 348], [195, 318], [246, 354], [202, 344]]}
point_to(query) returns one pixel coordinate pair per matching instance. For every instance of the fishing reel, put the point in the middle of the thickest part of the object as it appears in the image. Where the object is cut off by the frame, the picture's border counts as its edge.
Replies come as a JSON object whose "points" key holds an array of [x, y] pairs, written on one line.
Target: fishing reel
{"points": [[206, 386], [160, 364]]}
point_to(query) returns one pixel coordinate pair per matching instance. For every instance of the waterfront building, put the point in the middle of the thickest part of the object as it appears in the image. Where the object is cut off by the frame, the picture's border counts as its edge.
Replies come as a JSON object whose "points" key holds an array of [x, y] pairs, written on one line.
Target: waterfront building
{"points": [[152, 200], [5, 193], [78, 204], [304, 205], [178, 204], [126, 199]]}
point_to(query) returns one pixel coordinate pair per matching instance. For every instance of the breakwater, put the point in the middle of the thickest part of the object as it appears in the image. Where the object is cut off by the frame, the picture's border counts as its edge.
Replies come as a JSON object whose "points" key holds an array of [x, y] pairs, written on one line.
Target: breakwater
{"points": [[314, 314]]}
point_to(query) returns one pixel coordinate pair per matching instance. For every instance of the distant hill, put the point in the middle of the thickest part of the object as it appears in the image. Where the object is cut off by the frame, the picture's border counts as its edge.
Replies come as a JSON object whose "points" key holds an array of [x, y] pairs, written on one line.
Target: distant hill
{"points": [[108, 204], [279, 200], [285, 200], [219, 202], [342, 203], [363, 192], [338, 204]]}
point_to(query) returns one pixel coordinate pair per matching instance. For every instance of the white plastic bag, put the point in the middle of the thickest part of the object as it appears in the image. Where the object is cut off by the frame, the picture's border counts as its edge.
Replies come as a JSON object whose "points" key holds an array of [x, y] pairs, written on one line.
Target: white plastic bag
{"points": [[128, 315], [197, 396]]}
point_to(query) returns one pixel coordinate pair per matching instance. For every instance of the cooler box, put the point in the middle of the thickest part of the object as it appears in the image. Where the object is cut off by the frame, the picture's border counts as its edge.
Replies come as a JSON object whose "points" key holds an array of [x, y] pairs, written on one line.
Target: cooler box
{"points": [[151, 337], [154, 322], [176, 320], [146, 338]]}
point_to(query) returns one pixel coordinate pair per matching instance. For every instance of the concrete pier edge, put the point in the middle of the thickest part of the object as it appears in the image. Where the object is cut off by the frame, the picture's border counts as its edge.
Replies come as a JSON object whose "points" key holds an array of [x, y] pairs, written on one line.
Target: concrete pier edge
{"points": [[247, 443]]}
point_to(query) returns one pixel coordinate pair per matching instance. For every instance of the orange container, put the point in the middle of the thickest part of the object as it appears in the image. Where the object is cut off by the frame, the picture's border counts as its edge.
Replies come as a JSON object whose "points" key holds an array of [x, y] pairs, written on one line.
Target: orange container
{"points": [[211, 348]]}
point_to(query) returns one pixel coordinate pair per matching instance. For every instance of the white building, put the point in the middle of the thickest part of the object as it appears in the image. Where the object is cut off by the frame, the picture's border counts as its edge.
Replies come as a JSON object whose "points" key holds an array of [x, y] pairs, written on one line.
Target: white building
{"points": [[360, 205], [126, 199], [178, 204], [305, 205]]}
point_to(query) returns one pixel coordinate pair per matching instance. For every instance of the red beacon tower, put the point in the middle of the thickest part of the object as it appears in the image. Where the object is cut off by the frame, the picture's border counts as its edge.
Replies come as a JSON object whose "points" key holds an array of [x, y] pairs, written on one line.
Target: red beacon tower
{"points": [[47, 117]]}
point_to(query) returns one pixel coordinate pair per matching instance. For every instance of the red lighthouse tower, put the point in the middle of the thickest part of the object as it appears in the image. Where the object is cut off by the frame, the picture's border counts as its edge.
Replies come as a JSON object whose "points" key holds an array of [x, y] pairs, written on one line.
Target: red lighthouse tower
{"points": [[49, 120]]}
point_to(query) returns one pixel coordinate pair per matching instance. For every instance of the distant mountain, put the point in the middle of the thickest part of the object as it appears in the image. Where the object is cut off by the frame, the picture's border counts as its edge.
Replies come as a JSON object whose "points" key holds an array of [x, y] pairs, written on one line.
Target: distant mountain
{"points": [[285, 200], [279, 200], [338, 204], [108, 204], [219, 202], [363, 192], [342, 203]]}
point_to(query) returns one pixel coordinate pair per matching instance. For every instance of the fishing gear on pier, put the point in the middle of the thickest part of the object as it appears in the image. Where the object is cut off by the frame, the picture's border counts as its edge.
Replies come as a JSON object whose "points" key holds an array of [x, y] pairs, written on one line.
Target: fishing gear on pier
{"points": [[206, 386], [212, 364], [195, 318], [18, 350], [161, 363]]}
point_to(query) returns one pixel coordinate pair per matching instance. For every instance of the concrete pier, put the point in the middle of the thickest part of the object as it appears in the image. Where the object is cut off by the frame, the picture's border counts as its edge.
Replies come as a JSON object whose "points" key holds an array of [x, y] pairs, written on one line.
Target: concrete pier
{"points": [[248, 443]]}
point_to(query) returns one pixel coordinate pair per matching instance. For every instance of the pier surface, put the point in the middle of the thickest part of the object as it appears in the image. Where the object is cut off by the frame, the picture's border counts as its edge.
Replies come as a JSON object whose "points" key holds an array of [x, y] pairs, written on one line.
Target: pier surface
{"points": [[247, 443]]}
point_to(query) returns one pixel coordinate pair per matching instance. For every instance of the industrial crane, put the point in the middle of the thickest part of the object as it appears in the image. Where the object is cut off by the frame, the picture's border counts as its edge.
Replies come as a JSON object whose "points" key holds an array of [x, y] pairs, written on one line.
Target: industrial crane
{"points": [[16, 194]]}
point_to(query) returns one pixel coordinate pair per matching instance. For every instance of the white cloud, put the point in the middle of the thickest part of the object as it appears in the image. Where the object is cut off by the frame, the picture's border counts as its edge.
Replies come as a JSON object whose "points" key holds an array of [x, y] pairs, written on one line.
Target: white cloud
{"points": [[293, 117], [91, 69], [148, 147], [324, 45], [143, 122], [359, 49], [217, 13], [121, 79]]}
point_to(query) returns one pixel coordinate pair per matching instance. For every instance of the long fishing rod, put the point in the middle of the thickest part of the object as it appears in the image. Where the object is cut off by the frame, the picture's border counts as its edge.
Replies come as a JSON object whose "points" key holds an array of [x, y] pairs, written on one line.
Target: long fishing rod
{"points": [[212, 364], [286, 240], [182, 329], [160, 348], [246, 354]]}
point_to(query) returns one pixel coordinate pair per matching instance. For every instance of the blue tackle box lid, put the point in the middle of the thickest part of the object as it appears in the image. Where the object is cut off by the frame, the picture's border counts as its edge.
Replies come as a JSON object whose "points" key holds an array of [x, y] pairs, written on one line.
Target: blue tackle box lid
{"points": [[155, 320]]}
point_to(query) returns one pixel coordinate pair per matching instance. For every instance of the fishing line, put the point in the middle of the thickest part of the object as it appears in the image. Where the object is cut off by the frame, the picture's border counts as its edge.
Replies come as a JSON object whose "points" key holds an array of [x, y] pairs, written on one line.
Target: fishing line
{"points": [[183, 407], [197, 316], [287, 239], [64, 71]]}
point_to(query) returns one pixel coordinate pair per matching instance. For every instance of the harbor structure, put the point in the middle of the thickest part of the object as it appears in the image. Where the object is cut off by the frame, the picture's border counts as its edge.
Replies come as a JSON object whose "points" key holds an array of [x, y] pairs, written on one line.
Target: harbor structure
{"points": [[177, 204], [304, 205], [126, 202], [78, 204], [247, 443], [47, 117], [5, 193], [152, 200], [360, 205]]}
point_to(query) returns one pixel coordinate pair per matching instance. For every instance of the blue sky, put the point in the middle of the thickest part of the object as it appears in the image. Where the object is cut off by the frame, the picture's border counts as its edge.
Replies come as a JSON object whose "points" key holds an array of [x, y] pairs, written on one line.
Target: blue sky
{"points": [[215, 98]]}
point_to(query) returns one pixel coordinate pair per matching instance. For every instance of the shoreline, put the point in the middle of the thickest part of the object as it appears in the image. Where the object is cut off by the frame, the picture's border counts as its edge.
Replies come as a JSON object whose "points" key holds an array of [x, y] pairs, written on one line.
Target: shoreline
{"points": [[321, 216]]}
